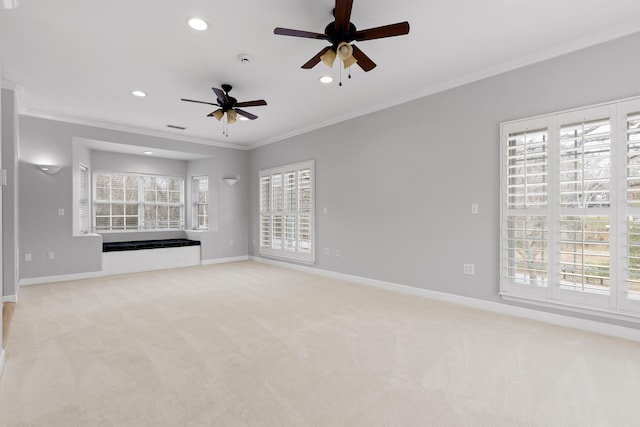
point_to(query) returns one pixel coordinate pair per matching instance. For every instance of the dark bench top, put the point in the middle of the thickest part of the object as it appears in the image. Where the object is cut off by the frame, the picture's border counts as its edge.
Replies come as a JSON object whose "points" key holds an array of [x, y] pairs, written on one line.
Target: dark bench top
{"points": [[147, 244]]}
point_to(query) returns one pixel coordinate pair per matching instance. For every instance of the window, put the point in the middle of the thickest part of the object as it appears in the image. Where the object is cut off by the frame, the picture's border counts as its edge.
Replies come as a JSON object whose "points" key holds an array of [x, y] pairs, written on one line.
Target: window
{"points": [[83, 199], [287, 212], [200, 197], [571, 209], [126, 202]]}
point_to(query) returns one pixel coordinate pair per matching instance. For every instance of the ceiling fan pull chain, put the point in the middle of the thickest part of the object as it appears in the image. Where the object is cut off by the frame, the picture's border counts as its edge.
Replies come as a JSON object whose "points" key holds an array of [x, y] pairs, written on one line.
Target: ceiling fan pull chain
{"points": [[340, 69]]}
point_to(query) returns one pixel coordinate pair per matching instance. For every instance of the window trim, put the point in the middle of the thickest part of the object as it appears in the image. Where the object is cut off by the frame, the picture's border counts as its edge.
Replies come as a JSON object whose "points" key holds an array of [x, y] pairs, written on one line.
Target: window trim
{"points": [[618, 306], [282, 253]]}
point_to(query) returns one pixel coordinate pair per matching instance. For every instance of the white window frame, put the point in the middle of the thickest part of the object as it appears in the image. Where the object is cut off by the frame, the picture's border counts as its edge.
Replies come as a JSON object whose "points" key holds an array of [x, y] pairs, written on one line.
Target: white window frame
{"points": [[141, 203], [195, 197], [620, 302], [299, 249]]}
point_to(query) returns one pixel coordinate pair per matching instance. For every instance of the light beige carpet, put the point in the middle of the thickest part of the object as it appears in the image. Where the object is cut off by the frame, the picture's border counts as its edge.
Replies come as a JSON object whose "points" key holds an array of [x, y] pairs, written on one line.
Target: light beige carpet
{"points": [[8, 309], [246, 344]]}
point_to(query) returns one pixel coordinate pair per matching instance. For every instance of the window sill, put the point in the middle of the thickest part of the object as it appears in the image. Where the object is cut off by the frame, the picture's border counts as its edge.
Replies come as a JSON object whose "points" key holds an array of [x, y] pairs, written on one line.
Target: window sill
{"points": [[565, 306], [147, 230], [284, 257]]}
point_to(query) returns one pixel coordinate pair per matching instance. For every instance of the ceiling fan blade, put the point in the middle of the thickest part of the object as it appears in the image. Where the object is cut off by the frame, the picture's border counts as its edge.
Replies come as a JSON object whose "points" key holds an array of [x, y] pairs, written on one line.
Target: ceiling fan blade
{"points": [[199, 102], [255, 103], [314, 61], [342, 14], [245, 113], [399, 29], [221, 95], [299, 33], [363, 60]]}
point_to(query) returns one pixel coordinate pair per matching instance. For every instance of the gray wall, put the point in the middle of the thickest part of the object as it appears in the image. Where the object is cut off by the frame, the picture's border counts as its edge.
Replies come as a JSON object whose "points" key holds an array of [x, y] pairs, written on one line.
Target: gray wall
{"points": [[228, 229], [1, 231], [398, 184], [9, 192], [42, 230]]}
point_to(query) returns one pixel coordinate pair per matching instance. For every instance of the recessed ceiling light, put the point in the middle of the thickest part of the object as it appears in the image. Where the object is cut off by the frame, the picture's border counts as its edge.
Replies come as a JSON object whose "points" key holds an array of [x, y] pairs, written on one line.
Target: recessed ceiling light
{"points": [[148, 153], [138, 93], [198, 24], [326, 79]]}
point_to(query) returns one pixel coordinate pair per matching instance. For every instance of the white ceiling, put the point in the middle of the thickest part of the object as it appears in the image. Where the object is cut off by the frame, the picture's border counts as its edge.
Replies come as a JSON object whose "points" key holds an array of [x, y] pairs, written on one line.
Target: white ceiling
{"points": [[78, 60]]}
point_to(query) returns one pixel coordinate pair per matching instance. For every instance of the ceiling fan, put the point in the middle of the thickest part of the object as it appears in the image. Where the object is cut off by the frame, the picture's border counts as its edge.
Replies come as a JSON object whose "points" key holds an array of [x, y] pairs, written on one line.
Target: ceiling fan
{"points": [[340, 33], [229, 106]]}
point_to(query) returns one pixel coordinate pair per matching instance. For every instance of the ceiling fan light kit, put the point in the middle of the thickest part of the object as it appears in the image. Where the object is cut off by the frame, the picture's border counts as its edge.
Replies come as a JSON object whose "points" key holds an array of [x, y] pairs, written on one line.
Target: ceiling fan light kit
{"points": [[218, 114], [328, 58], [340, 33], [344, 51], [229, 106]]}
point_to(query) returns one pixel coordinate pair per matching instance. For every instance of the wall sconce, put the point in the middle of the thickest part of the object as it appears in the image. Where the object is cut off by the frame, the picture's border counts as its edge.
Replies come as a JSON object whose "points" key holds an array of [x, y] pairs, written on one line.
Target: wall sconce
{"points": [[231, 181], [8, 4], [49, 169]]}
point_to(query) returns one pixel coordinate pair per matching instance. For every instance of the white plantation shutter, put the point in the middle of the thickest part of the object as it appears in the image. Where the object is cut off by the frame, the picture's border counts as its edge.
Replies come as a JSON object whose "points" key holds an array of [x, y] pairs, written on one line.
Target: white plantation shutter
{"points": [[585, 163], [200, 202], [265, 211], [585, 184], [286, 212], [632, 226], [570, 218], [83, 199], [526, 226], [305, 211], [527, 164]]}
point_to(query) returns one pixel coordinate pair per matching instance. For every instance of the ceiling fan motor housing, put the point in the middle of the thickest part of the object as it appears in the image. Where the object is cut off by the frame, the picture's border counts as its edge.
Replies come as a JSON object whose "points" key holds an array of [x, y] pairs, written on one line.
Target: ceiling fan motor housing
{"points": [[337, 36]]}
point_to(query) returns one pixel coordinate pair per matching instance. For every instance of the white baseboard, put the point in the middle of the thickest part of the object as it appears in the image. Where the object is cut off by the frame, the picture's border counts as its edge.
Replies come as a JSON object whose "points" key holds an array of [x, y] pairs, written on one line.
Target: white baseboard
{"points": [[224, 260], [94, 274], [1, 361], [527, 313], [10, 298], [60, 278]]}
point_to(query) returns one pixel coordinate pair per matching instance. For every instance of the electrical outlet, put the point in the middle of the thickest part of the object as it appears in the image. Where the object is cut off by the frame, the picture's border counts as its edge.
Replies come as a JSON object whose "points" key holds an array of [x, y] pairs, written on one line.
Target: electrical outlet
{"points": [[469, 269], [61, 212], [337, 252], [326, 251], [27, 257], [51, 255], [474, 208]]}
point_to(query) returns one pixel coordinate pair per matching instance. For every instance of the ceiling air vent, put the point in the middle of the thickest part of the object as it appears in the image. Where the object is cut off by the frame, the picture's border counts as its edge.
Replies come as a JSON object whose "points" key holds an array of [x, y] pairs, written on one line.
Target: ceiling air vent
{"points": [[176, 127]]}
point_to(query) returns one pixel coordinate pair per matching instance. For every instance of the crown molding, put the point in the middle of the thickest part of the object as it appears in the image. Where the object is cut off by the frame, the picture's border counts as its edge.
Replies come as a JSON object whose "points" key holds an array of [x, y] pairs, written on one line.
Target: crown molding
{"points": [[554, 52], [129, 129]]}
